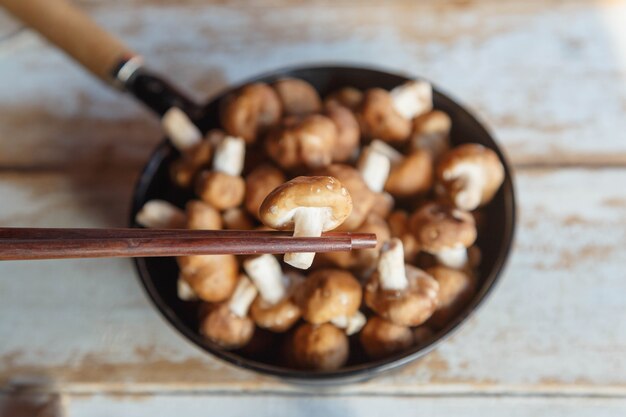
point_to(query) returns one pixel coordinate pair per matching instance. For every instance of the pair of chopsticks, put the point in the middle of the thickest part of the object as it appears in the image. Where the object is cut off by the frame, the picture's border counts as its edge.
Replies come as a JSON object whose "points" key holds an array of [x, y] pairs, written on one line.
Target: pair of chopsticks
{"points": [[51, 243]]}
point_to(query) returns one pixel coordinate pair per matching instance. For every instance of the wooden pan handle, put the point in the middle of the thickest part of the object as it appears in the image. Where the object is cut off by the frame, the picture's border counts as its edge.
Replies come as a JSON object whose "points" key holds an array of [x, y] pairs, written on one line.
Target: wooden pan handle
{"points": [[74, 32]]}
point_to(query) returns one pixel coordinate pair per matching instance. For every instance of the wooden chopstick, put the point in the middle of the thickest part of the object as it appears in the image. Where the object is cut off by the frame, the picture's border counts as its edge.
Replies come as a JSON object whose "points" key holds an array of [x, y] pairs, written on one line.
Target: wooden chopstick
{"points": [[55, 243]]}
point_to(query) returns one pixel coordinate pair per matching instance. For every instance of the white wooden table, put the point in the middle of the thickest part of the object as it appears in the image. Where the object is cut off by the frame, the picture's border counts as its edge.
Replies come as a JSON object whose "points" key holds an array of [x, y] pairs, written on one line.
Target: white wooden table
{"points": [[548, 77]]}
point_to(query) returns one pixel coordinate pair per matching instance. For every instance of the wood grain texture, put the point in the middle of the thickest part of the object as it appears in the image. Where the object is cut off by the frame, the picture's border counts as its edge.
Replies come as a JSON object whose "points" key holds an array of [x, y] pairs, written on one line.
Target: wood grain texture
{"points": [[552, 326], [548, 77]]}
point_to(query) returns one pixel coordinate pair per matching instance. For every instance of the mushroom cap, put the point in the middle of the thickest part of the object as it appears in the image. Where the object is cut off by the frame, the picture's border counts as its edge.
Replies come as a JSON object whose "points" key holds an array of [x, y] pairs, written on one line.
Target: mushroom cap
{"points": [[399, 227], [305, 141], [185, 168], [237, 218], [212, 277], [348, 132], [412, 176], [298, 97], [319, 347], [278, 317], [379, 119], [422, 335], [439, 227], [227, 329], [259, 183], [353, 181], [250, 111], [381, 338], [349, 97], [202, 216], [280, 205], [409, 307], [470, 159], [329, 293], [456, 288], [431, 132], [222, 191], [383, 204]]}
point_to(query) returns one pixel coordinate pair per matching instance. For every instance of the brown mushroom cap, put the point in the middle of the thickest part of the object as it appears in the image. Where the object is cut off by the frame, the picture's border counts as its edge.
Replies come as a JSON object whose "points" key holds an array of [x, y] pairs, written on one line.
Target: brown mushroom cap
{"points": [[439, 227], [319, 347], [251, 111], [349, 97], [383, 204], [409, 307], [185, 168], [259, 183], [348, 132], [298, 97], [237, 218], [411, 176], [471, 174], [308, 141], [277, 317], [456, 288], [399, 227], [212, 277], [379, 118], [352, 180], [202, 216], [221, 190], [227, 329], [431, 133], [329, 293], [280, 205], [381, 338]]}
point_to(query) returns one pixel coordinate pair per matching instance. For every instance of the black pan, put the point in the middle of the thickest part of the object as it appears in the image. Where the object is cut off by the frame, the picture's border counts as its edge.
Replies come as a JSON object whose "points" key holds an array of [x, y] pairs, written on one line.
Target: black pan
{"points": [[110, 60]]}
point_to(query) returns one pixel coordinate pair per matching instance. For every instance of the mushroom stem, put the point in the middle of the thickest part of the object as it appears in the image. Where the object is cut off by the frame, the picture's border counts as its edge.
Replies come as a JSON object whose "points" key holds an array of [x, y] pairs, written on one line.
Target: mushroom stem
{"points": [[229, 156], [308, 222], [413, 98], [374, 168], [180, 129], [267, 275], [453, 258], [352, 324], [184, 291], [390, 152], [469, 180], [160, 214], [242, 298], [391, 266]]}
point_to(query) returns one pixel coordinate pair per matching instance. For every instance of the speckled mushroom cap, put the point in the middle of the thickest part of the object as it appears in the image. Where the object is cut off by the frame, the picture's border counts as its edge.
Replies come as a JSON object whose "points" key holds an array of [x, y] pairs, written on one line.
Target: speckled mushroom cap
{"points": [[438, 227], [279, 206], [409, 307], [329, 293], [486, 164], [319, 347]]}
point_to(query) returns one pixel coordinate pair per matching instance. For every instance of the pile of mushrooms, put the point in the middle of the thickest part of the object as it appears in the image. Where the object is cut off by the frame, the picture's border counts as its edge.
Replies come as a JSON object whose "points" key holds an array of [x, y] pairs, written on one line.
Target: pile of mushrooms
{"points": [[372, 161]]}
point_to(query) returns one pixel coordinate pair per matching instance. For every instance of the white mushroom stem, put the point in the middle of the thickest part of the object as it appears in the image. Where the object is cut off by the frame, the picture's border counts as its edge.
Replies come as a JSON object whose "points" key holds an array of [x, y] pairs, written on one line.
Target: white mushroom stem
{"points": [[391, 266], [352, 324], [242, 298], [267, 275], [470, 179], [374, 168], [453, 258], [413, 98], [180, 129], [389, 151], [160, 214], [308, 222], [184, 291], [229, 156]]}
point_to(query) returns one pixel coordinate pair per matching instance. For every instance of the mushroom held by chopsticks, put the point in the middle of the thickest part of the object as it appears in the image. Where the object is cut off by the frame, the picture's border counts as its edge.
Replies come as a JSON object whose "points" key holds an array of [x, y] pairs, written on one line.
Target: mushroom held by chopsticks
{"points": [[455, 290], [298, 97], [431, 133], [381, 338], [308, 206], [471, 174], [274, 308], [444, 231], [251, 111], [223, 187], [401, 294], [302, 142], [330, 295], [319, 347], [259, 183], [228, 324]]}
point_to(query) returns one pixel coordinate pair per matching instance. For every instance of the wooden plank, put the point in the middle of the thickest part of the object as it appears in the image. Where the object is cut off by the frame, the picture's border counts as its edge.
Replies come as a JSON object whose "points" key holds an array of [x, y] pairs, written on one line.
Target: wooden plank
{"points": [[548, 77], [553, 326]]}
